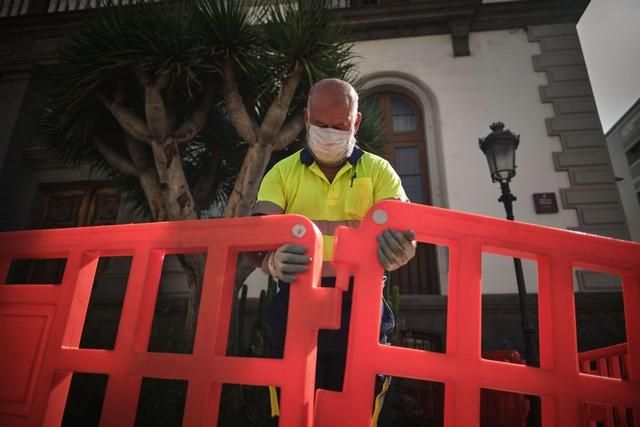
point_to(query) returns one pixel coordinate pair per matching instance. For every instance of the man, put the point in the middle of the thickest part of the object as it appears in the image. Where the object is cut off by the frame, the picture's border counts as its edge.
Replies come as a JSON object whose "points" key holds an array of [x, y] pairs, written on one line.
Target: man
{"points": [[332, 182]]}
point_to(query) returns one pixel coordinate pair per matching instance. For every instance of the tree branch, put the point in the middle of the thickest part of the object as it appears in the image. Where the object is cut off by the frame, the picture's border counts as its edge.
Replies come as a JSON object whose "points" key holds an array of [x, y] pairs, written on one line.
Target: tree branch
{"points": [[170, 103], [247, 128], [143, 77], [129, 121], [118, 91], [140, 155], [164, 79], [148, 177], [247, 183], [194, 124], [206, 183], [119, 162], [156, 113], [154, 105], [278, 110], [289, 132]]}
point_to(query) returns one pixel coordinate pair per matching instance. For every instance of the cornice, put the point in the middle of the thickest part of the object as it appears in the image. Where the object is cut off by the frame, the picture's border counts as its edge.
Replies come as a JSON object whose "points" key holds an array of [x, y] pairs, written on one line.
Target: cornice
{"points": [[371, 21], [29, 39], [457, 18]]}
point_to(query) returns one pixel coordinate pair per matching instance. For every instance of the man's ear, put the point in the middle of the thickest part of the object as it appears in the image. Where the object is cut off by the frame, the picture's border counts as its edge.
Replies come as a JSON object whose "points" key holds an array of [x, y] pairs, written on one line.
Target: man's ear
{"points": [[305, 115], [356, 125]]}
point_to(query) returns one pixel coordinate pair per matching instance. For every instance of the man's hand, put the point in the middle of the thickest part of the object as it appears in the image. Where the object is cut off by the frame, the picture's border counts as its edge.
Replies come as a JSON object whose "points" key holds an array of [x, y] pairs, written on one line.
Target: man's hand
{"points": [[396, 248], [287, 261]]}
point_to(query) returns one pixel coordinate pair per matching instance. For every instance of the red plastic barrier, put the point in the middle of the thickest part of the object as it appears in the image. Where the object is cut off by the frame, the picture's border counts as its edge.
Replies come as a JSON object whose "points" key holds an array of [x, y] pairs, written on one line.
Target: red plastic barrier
{"points": [[41, 325], [612, 362], [500, 409], [558, 381]]}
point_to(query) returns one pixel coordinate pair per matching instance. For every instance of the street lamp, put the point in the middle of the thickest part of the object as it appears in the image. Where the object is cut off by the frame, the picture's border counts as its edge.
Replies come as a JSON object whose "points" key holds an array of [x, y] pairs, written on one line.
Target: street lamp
{"points": [[500, 149]]}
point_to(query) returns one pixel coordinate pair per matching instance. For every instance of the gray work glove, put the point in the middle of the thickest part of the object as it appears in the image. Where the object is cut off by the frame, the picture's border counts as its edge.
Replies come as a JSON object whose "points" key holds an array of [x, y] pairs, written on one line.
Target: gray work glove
{"points": [[396, 248], [286, 262]]}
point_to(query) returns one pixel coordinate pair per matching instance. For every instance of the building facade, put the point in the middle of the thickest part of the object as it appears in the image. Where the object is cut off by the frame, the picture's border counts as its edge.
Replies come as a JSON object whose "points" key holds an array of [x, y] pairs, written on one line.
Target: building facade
{"points": [[441, 72]]}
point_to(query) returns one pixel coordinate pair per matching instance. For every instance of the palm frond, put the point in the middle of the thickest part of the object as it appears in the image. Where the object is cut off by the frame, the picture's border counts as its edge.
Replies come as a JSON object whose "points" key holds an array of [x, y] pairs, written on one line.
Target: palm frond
{"points": [[309, 33], [371, 136]]}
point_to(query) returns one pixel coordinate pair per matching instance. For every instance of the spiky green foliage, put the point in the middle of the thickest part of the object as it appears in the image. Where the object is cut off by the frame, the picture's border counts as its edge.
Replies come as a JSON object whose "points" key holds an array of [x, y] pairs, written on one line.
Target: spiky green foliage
{"points": [[371, 136], [102, 57], [229, 28], [156, 36], [308, 34], [266, 39], [311, 34], [189, 39]]}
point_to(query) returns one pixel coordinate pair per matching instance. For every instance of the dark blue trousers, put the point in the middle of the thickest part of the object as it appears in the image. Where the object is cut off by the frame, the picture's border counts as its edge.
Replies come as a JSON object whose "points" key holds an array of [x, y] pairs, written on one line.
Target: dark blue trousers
{"points": [[332, 344]]}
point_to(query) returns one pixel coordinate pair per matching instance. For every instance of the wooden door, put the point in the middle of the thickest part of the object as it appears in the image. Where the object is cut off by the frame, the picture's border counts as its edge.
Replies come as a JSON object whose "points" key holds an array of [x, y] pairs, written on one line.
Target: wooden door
{"points": [[68, 205]]}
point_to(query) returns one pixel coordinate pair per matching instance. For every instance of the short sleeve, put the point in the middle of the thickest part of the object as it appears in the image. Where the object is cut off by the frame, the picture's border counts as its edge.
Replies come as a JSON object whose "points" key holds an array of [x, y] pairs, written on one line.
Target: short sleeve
{"points": [[387, 184], [272, 188]]}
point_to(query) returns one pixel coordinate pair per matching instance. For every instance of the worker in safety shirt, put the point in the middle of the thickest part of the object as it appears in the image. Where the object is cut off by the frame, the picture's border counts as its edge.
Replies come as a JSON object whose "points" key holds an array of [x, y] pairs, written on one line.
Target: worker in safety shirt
{"points": [[333, 182]]}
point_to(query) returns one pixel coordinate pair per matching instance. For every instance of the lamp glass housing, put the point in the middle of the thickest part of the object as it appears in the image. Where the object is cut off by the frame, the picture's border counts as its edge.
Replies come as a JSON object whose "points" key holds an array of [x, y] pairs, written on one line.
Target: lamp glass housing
{"points": [[499, 147], [501, 158]]}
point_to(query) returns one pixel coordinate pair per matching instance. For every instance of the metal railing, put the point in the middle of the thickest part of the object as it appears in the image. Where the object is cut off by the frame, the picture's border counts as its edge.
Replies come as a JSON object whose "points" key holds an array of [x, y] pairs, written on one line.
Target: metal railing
{"points": [[26, 7], [10, 8], [13, 7]]}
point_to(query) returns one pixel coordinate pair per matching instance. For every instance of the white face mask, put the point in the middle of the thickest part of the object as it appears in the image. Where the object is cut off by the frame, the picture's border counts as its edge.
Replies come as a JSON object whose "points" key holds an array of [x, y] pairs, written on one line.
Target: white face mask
{"points": [[330, 146]]}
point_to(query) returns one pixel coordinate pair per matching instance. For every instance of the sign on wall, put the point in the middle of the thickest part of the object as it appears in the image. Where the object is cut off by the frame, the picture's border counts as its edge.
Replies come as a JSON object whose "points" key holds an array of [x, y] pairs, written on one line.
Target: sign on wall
{"points": [[545, 203]]}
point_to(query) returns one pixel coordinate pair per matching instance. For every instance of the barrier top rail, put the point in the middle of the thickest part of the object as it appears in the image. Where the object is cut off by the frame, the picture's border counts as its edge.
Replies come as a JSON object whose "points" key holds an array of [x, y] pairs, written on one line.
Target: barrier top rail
{"points": [[462, 369], [41, 325]]}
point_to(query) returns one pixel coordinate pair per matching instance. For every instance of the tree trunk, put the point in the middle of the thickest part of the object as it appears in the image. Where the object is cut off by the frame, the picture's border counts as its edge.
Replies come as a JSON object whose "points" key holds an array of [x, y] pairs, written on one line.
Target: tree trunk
{"points": [[246, 187], [193, 265], [177, 195], [203, 191], [148, 178]]}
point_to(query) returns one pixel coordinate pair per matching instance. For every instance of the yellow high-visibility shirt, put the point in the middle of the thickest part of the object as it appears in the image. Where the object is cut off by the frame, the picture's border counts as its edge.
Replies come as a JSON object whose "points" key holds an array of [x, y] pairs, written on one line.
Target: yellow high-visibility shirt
{"points": [[298, 186]]}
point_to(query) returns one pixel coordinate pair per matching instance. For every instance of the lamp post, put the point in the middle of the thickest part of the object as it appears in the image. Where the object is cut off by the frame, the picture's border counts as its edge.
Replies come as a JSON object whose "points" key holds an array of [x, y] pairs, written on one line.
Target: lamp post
{"points": [[500, 149]]}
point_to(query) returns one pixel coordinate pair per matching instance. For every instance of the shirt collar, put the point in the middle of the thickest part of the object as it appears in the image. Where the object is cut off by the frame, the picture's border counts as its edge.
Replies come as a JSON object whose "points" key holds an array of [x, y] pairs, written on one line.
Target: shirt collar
{"points": [[307, 158]]}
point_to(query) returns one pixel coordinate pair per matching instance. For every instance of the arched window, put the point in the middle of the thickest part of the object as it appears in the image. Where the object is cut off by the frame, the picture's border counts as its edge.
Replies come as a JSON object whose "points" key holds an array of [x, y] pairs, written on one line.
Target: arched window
{"points": [[406, 150]]}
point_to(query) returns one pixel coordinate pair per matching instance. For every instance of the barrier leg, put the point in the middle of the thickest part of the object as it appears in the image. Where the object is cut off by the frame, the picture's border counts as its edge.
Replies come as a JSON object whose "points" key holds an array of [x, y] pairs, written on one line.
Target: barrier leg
{"points": [[57, 398]]}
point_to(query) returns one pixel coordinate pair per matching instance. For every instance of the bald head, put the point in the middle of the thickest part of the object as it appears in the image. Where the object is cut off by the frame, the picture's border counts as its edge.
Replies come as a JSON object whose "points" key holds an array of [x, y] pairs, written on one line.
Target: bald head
{"points": [[333, 94], [332, 119]]}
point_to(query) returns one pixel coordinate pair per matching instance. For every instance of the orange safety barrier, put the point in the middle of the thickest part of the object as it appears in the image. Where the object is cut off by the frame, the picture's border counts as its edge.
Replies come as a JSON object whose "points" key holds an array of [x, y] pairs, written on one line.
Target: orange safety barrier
{"points": [[41, 325], [500, 409], [558, 381], [610, 362]]}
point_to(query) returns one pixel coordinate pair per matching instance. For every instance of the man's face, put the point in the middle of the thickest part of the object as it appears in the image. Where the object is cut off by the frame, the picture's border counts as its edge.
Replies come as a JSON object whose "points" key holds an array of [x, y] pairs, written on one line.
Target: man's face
{"points": [[331, 110]]}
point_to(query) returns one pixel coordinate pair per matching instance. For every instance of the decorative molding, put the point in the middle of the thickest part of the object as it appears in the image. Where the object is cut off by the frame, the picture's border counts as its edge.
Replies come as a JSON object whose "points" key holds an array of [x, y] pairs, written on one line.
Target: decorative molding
{"points": [[564, 74], [367, 22], [572, 122], [428, 102], [593, 191], [460, 37], [560, 43], [587, 157], [600, 216], [577, 139], [575, 106], [593, 175], [551, 92], [575, 198], [558, 59], [426, 99]]}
